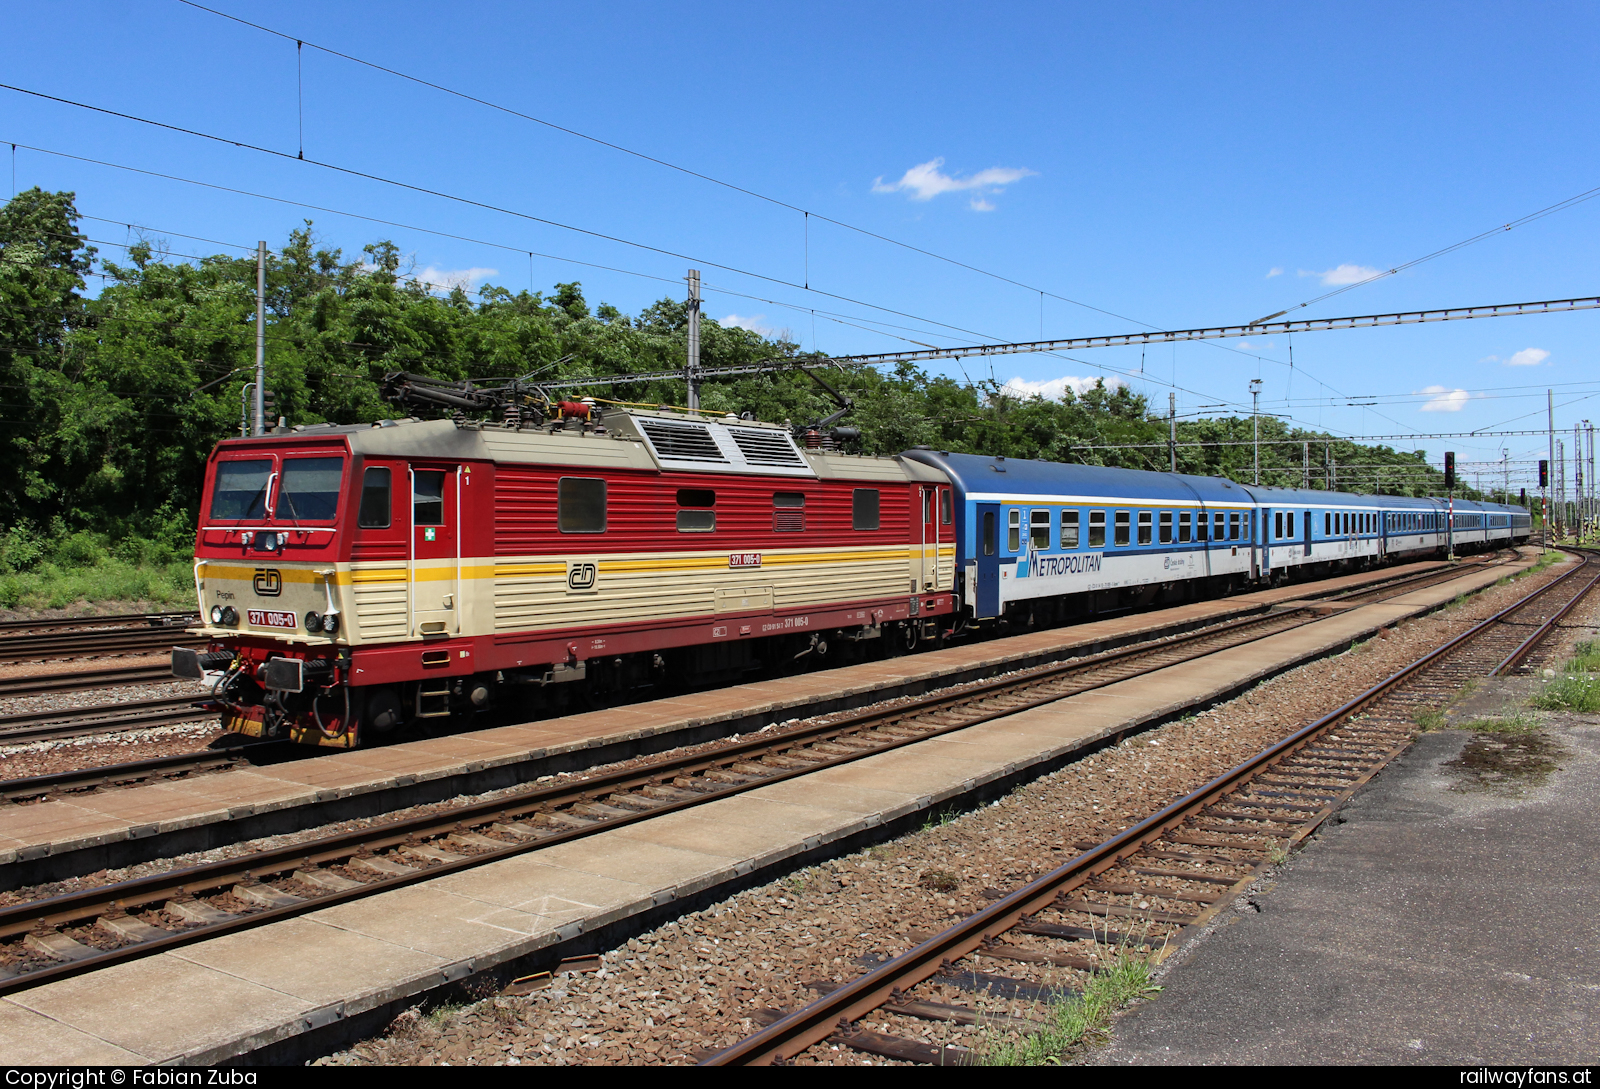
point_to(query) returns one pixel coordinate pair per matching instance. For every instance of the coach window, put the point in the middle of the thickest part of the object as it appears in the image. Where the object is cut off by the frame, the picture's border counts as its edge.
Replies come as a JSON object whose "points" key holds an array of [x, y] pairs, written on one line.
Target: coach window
{"points": [[788, 512], [375, 507], [988, 533], [1184, 519], [1039, 529], [944, 507], [864, 509], [1233, 525], [1277, 523], [427, 497], [1069, 529], [1144, 527], [1124, 520], [699, 517], [581, 504], [1219, 528], [1166, 527], [1014, 530], [1097, 529]]}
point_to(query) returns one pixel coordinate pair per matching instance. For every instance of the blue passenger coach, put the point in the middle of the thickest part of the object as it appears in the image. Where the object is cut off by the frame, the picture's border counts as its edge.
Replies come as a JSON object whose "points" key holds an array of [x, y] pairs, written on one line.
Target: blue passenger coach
{"points": [[1046, 541]]}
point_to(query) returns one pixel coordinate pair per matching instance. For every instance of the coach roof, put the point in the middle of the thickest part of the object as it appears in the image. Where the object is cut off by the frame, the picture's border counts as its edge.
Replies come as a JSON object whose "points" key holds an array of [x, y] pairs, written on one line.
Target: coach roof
{"points": [[1004, 479]]}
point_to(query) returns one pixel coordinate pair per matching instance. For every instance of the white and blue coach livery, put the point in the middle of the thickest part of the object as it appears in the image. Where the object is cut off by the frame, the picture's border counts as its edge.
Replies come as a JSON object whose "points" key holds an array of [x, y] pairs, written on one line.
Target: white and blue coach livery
{"points": [[1041, 542]]}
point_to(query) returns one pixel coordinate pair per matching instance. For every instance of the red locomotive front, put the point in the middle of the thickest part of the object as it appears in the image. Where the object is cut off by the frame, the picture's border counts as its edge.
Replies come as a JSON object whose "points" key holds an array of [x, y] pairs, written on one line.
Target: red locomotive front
{"points": [[355, 579]]}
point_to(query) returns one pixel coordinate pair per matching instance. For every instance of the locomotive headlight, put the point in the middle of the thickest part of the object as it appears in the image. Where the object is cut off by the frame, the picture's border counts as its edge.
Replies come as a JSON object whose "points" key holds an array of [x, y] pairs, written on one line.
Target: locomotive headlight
{"points": [[269, 541], [216, 614], [313, 621], [230, 615], [330, 623]]}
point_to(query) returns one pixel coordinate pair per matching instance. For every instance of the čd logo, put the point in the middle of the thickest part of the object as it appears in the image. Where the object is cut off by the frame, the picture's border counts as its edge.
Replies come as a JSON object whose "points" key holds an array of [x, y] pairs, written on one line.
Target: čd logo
{"points": [[268, 582], [580, 576]]}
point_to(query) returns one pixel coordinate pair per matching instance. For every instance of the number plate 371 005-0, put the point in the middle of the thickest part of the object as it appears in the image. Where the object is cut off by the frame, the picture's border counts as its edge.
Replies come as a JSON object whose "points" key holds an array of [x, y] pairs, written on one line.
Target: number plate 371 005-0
{"points": [[271, 618]]}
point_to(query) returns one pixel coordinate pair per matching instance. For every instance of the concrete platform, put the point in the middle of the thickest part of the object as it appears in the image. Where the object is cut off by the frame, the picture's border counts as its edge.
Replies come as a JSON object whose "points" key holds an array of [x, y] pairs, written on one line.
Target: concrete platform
{"points": [[293, 989], [1431, 925], [82, 834]]}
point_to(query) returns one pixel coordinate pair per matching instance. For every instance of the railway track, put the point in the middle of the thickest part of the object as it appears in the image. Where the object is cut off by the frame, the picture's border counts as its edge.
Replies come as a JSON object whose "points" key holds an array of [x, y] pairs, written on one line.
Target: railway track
{"points": [[74, 644], [91, 928], [103, 719], [1171, 874], [43, 684], [89, 623]]}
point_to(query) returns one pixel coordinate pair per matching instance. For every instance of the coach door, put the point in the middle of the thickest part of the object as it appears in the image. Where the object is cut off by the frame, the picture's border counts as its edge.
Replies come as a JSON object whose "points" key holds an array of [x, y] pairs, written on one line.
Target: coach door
{"points": [[1261, 544], [435, 549], [986, 596]]}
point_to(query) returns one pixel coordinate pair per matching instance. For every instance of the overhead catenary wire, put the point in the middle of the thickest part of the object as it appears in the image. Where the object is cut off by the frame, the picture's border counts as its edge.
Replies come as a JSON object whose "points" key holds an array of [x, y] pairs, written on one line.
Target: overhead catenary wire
{"points": [[374, 219]]}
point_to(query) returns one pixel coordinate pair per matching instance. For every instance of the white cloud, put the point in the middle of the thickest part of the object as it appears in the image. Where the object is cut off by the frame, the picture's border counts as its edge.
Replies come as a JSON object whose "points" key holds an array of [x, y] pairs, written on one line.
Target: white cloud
{"points": [[1444, 399], [446, 278], [1344, 274], [926, 181], [1274, 272], [756, 323], [1528, 357], [1054, 388]]}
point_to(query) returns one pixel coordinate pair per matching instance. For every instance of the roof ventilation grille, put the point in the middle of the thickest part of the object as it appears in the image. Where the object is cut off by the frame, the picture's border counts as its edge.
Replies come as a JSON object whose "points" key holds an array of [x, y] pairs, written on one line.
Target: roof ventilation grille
{"points": [[683, 441], [766, 447]]}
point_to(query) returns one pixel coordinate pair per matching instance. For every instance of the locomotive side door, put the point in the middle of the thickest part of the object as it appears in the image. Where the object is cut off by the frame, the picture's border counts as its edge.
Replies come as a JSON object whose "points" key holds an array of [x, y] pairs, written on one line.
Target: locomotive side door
{"points": [[435, 550], [926, 569]]}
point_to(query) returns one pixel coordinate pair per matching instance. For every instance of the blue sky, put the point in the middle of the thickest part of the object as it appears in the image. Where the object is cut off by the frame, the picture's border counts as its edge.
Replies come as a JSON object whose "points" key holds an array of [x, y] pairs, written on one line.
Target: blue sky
{"points": [[1174, 165]]}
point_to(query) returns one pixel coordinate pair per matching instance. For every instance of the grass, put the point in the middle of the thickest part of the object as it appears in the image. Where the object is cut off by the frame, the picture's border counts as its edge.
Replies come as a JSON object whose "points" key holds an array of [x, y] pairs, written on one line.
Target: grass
{"points": [[1515, 724], [51, 586], [1578, 692], [1586, 659], [1069, 1021], [55, 569], [1429, 720], [939, 819]]}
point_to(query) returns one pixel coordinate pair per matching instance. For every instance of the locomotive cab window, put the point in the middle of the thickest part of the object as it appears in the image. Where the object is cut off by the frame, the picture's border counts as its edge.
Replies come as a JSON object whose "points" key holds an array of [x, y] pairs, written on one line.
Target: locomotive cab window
{"points": [[427, 497], [788, 512], [699, 518], [1122, 524], [240, 490], [1097, 529], [1039, 529], [310, 489], [581, 504], [376, 508], [1069, 529], [864, 509], [945, 515]]}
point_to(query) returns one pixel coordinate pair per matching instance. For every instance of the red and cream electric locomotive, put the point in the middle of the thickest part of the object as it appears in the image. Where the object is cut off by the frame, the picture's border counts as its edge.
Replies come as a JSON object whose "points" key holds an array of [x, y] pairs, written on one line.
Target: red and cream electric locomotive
{"points": [[353, 579]]}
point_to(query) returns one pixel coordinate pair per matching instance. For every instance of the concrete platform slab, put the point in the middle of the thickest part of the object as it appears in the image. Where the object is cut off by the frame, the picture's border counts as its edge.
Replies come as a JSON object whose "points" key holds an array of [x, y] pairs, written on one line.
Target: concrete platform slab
{"points": [[32, 1039], [431, 920], [312, 960], [160, 1008]]}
